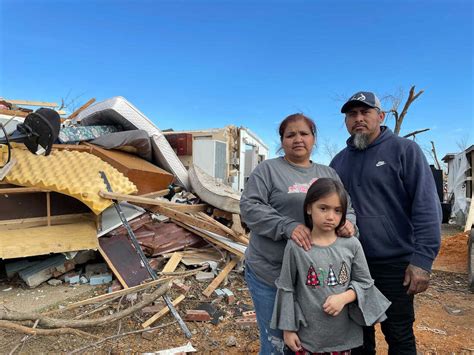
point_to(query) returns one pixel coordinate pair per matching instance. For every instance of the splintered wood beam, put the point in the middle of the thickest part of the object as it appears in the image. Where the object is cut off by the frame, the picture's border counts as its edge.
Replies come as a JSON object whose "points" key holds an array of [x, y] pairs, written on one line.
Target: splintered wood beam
{"points": [[224, 228], [150, 201], [210, 239], [168, 209], [163, 312], [154, 194], [219, 278]]}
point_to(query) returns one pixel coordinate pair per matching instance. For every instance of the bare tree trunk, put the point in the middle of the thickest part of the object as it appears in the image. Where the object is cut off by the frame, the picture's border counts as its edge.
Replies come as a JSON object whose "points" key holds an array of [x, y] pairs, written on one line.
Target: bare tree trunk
{"points": [[399, 118], [48, 322], [435, 157]]}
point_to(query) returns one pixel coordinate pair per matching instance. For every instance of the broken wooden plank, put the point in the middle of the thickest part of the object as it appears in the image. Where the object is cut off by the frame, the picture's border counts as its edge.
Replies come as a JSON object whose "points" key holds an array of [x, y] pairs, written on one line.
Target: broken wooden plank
{"points": [[18, 243], [32, 103], [172, 263], [163, 312], [16, 113], [154, 194], [82, 108], [224, 228], [210, 237], [149, 201], [219, 278], [118, 293]]}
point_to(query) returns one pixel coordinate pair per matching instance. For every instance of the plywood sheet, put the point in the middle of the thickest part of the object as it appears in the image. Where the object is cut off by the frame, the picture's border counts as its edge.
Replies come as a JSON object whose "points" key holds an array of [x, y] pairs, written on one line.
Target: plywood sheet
{"points": [[45, 240]]}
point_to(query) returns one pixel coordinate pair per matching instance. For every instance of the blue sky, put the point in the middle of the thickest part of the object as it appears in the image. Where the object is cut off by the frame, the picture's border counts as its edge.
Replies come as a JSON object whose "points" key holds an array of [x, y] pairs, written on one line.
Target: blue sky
{"points": [[205, 64]]}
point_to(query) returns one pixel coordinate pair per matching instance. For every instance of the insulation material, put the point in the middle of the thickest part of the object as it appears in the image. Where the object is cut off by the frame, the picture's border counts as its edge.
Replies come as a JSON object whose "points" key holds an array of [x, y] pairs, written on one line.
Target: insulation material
{"points": [[68, 172]]}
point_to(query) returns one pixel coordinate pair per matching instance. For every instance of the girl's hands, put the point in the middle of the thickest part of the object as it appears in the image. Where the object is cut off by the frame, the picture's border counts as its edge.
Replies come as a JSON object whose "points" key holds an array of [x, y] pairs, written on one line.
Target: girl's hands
{"points": [[302, 236], [347, 230], [335, 303], [292, 340]]}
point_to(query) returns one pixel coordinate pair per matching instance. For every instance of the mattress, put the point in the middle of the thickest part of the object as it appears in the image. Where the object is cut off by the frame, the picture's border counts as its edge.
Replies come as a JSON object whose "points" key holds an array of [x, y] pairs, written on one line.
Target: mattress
{"points": [[118, 111]]}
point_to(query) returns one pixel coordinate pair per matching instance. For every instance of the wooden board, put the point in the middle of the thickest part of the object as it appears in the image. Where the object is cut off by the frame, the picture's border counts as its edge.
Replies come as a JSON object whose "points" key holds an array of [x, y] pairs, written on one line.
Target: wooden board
{"points": [[162, 312], [152, 202], [24, 242], [145, 175], [219, 278], [211, 239], [124, 261], [32, 103], [173, 262]]}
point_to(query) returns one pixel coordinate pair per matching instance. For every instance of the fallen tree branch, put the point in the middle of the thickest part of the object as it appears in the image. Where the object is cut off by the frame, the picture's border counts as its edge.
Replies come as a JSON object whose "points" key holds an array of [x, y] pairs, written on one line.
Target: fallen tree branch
{"points": [[48, 322], [35, 331], [121, 335]]}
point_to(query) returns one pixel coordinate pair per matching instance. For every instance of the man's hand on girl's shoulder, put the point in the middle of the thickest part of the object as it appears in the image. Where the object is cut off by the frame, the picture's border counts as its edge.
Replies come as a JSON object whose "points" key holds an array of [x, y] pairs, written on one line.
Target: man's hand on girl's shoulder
{"points": [[347, 230]]}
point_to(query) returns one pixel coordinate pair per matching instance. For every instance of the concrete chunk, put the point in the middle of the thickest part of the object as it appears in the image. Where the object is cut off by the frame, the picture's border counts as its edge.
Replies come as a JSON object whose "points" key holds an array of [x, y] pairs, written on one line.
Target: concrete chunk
{"points": [[44, 270], [13, 268], [100, 279]]}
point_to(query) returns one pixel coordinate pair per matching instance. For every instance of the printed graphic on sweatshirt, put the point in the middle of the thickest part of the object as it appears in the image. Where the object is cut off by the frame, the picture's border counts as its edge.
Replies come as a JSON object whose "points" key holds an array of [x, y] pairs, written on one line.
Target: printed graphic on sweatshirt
{"points": [[300, 188], [327, 277]]}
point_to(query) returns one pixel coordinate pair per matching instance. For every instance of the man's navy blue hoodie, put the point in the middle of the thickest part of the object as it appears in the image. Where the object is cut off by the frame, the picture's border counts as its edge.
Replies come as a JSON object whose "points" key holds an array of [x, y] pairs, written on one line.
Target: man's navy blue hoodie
{"points": [[394, 196]]}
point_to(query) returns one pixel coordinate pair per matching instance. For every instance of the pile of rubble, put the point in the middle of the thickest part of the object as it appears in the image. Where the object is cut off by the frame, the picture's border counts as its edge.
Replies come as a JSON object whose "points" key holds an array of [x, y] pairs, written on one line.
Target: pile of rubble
{"points": [[112, 204]]}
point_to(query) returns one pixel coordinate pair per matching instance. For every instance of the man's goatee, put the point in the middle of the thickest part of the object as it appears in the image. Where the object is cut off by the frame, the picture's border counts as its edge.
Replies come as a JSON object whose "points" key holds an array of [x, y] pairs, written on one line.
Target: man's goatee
{"points": [[361, 141]]}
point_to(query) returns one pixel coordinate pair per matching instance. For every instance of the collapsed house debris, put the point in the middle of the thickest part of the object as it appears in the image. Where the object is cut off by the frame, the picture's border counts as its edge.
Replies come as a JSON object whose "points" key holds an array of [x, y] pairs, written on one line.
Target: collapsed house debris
{"points": [[112, 183]]}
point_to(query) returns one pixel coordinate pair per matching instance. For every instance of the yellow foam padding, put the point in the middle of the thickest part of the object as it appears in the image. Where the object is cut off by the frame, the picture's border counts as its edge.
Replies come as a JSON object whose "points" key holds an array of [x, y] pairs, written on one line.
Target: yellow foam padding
{"points": [[68, 172]]}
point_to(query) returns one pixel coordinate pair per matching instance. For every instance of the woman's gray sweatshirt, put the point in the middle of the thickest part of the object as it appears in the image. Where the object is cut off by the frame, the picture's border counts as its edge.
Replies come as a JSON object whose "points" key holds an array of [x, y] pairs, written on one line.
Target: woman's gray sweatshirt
{"points": [[272, 206]]}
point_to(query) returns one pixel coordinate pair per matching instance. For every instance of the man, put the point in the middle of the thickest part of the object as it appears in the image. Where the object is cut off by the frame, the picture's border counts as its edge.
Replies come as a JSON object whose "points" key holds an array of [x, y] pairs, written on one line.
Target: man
{"points": [[398, 214]]}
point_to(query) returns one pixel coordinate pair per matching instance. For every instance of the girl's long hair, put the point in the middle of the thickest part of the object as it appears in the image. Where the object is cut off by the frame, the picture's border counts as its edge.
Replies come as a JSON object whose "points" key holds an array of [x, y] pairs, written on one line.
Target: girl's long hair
{"points": [[322, 188]]}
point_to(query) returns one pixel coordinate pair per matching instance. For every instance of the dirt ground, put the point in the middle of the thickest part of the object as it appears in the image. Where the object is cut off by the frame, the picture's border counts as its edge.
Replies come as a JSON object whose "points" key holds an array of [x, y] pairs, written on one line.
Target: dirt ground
{"points": [[444, 315]]}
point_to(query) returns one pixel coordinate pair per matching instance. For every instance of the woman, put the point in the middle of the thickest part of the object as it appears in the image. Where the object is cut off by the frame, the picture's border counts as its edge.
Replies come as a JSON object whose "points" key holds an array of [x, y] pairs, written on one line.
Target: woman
{"points": [[271, 206]]}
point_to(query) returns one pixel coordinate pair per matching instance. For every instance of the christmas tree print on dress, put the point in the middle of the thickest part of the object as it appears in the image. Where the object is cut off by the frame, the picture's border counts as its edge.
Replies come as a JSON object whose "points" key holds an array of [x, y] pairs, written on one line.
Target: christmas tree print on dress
{"points": [[332, 281], [343, 274], [312, 277]]}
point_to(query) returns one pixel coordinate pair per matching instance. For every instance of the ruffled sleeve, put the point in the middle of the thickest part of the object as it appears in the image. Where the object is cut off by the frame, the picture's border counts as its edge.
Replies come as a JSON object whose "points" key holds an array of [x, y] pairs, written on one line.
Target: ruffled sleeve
{"points": [[287, 314], [371, 304]]}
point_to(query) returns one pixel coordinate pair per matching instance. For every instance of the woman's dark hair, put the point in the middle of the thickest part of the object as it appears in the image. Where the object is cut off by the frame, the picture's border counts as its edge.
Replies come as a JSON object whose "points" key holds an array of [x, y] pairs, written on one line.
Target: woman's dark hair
{"points": [[296, 117], [322, 188]]}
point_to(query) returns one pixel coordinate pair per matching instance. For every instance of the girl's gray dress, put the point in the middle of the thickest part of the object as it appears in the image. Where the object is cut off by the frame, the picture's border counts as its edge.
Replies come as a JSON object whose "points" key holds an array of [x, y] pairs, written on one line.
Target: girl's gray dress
{"points": [[308, 277]]}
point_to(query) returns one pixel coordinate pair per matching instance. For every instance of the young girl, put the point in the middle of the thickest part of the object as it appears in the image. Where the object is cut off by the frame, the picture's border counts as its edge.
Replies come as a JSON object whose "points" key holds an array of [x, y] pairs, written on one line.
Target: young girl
{"points": [[315, 286]]}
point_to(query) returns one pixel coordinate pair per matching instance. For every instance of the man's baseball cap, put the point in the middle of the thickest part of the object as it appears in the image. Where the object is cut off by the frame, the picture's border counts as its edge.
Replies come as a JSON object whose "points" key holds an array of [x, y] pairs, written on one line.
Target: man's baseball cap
{"points": [[362, 97]]}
